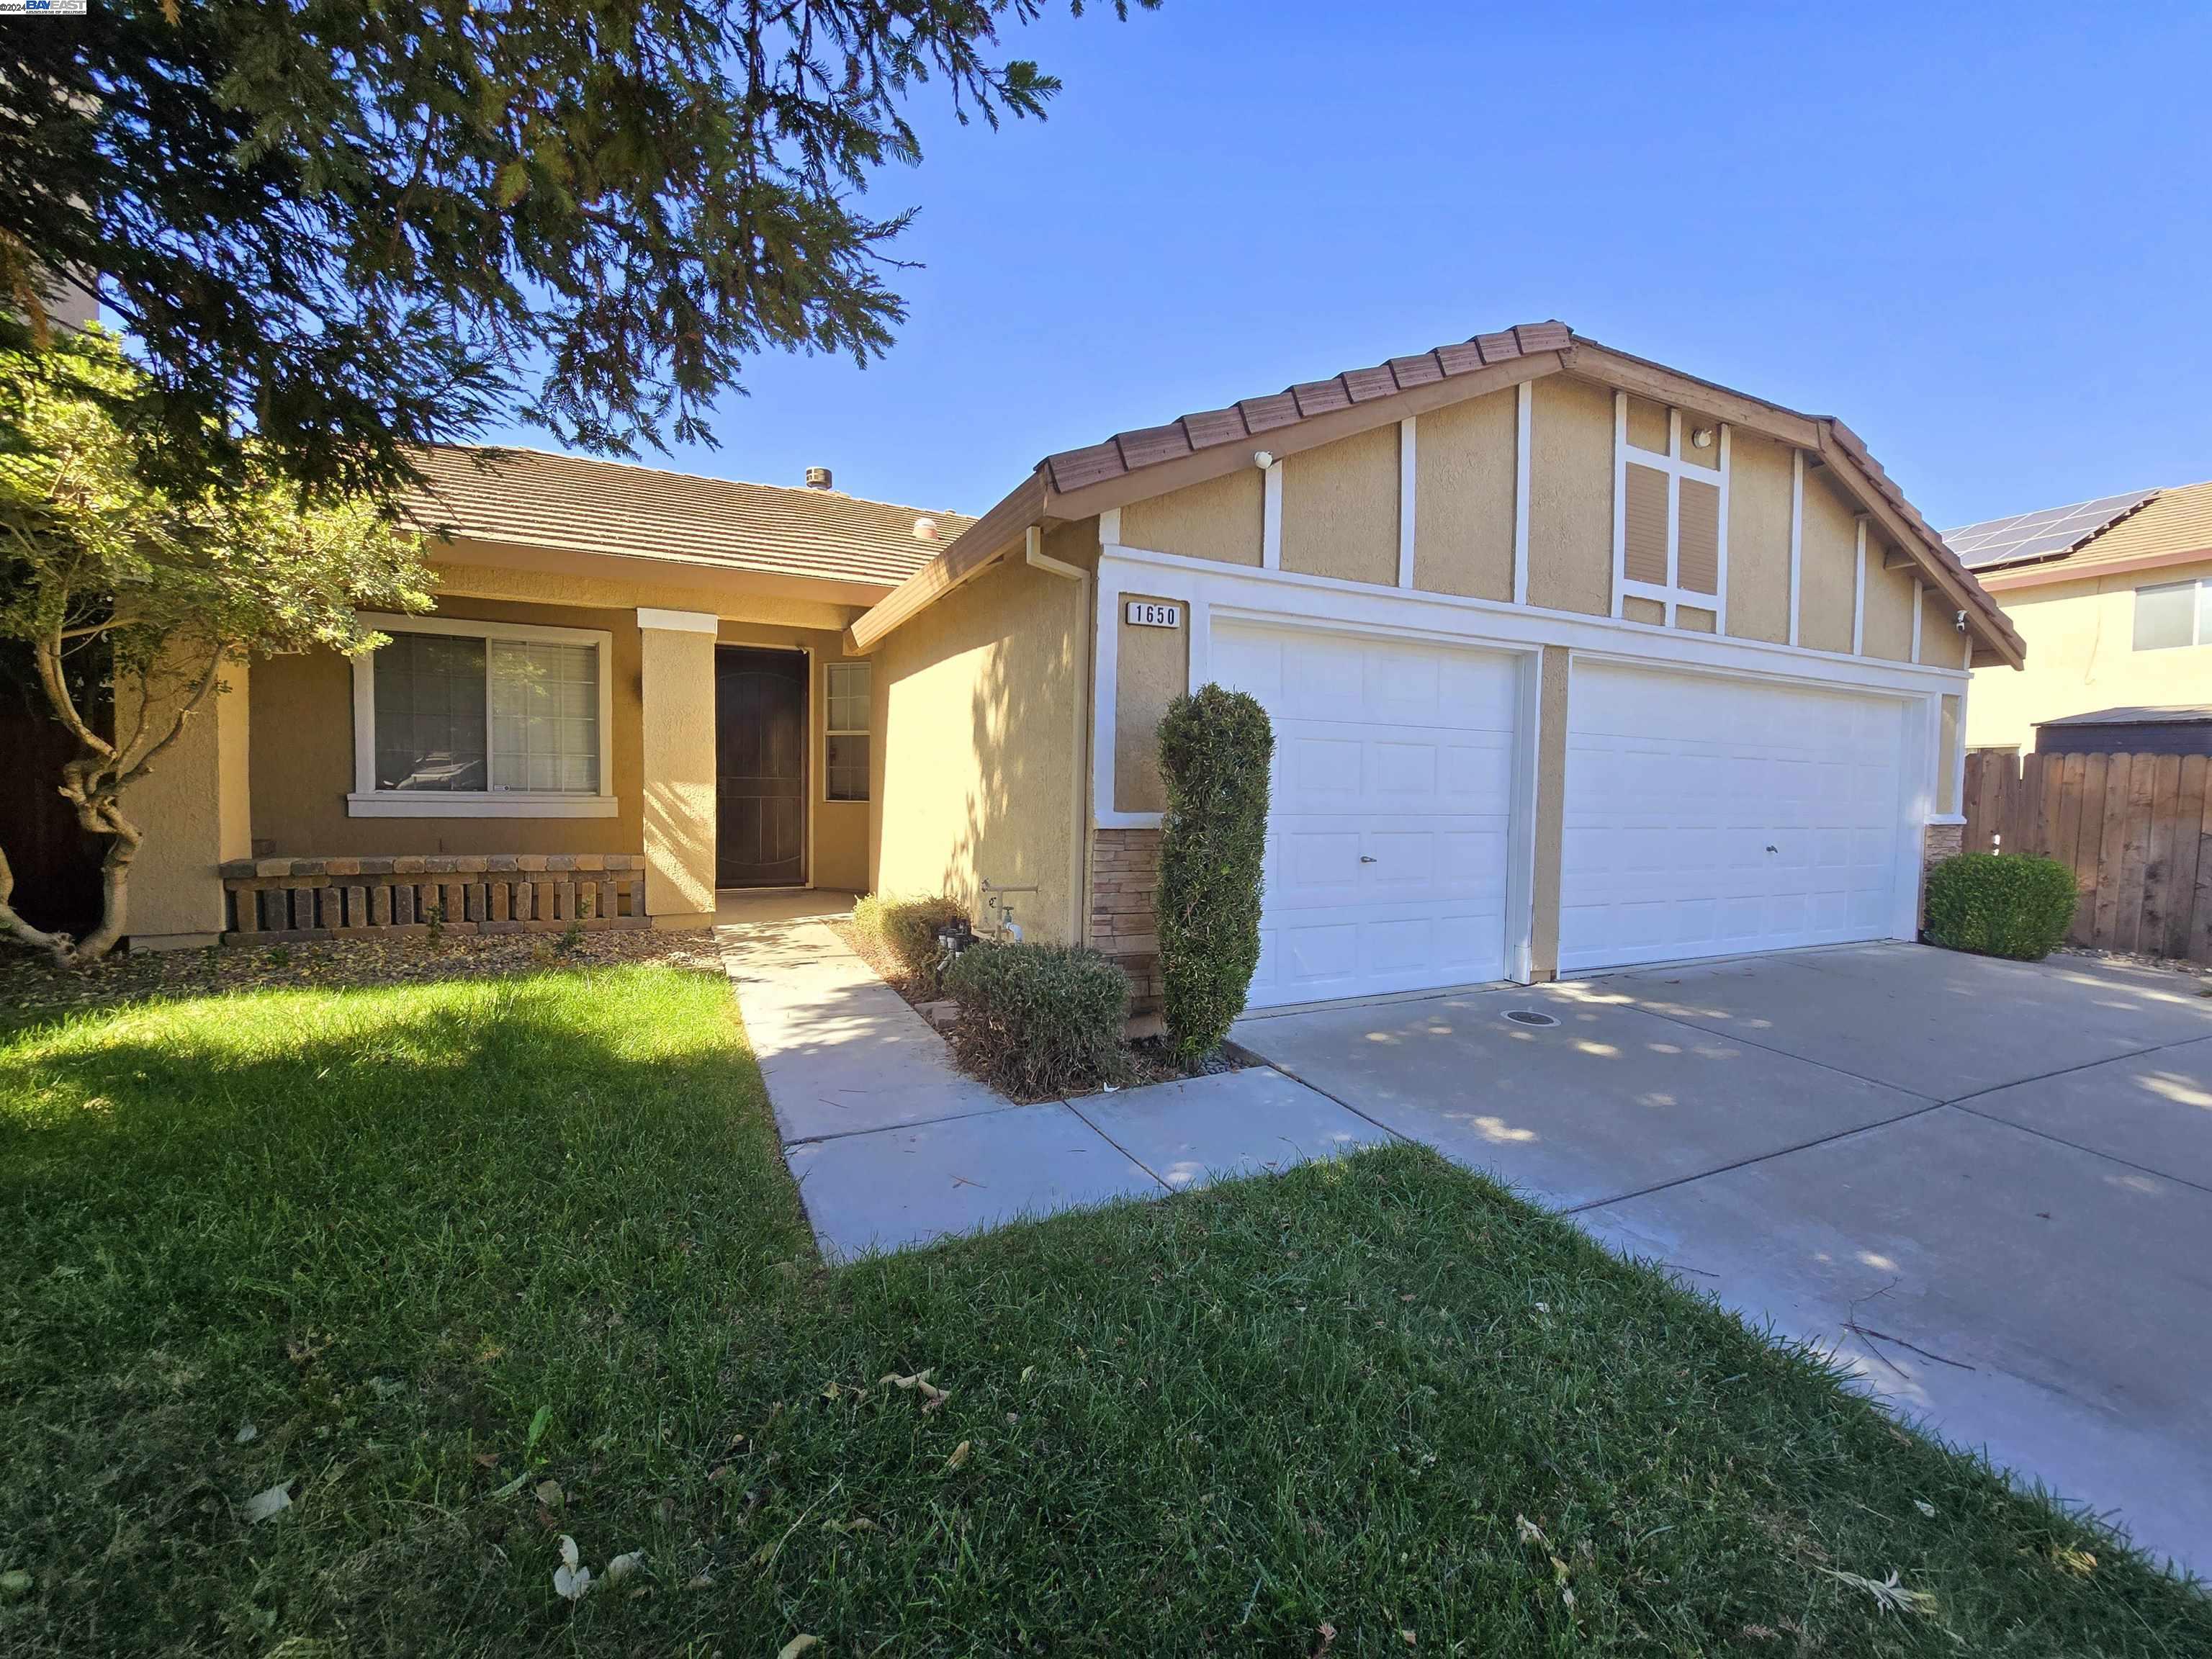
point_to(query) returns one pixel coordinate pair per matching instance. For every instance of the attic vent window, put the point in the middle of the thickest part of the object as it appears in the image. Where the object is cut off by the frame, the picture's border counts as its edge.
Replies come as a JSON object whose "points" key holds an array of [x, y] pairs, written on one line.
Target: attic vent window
{"points": [[1670, 512]]}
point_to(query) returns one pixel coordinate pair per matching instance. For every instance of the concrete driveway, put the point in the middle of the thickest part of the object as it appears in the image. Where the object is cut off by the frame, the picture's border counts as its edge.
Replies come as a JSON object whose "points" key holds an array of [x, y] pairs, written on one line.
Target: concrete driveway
{"points": [[1986, 1186]]}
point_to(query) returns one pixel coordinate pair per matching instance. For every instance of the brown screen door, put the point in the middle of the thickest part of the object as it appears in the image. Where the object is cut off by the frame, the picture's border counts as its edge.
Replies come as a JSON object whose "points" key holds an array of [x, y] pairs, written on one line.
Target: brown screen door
{"points": [[760, 767]]}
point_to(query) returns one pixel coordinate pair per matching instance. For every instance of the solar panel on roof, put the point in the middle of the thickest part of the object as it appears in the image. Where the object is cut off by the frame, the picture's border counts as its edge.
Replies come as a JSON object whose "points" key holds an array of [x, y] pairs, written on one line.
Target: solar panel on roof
{"points": [[2042, 534]]}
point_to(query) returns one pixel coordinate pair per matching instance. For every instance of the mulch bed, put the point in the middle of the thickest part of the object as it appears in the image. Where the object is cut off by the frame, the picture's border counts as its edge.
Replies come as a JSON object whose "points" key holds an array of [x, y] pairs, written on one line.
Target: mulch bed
{"points": [[31, 984]]}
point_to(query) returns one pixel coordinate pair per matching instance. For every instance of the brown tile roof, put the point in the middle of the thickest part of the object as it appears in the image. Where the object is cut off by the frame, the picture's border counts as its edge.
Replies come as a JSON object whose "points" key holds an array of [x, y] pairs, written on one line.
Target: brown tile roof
{"points": [[1125, 452], [566, 502]]}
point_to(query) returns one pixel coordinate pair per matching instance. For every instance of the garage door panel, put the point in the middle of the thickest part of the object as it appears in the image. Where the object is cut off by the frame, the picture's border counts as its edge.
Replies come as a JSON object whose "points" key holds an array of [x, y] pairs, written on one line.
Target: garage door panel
{"points": [[1396, 752], [1707, 816]]}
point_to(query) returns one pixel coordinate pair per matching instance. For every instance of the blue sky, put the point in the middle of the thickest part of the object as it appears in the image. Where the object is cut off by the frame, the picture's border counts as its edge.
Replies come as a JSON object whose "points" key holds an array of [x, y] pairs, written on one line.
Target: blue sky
{"points": [[1978, 235]]}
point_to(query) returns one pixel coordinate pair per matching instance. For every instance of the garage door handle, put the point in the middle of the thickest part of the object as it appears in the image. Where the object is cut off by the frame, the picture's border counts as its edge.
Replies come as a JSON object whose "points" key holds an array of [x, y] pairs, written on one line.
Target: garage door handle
{"points": [[1771, 848], [1366, 858]]}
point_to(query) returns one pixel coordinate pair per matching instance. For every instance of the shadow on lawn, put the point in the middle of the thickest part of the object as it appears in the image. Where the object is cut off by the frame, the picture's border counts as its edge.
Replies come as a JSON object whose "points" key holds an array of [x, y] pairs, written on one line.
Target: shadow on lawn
{"points": [[318, 1146]]}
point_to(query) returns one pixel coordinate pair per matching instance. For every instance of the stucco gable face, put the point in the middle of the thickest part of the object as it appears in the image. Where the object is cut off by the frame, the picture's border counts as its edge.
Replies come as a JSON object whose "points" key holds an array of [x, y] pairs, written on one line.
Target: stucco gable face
{"points": [[1510, 496]]}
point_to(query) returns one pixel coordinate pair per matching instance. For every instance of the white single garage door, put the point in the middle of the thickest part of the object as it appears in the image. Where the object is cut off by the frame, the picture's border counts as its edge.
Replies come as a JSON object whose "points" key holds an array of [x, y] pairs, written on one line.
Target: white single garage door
{"points": [[1392, 793], [1708, 816]]}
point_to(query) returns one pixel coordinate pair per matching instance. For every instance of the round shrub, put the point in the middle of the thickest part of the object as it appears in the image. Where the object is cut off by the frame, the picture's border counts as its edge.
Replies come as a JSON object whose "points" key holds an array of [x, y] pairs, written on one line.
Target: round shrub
{"points": [[2000, 904], [1216, 747], [1037, 1020], [907, 927]]}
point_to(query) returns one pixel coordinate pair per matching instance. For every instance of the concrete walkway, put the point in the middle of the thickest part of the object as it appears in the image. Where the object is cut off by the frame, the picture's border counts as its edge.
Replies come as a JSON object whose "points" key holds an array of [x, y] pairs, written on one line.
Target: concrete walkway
{"points": [[1985, 1186], [893, 1147]]}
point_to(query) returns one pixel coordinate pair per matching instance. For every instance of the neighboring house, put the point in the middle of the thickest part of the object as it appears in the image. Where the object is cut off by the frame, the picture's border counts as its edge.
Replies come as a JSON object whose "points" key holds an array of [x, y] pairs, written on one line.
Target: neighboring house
{"points": [[2115, 598], [1574, 660]]}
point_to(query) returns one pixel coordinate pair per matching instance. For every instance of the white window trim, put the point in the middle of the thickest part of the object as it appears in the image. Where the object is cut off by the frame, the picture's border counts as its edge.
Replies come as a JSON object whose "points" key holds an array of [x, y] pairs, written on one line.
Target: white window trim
{"points": [[367, 801], [829, 703], [2197, 587], [1669, 594]]}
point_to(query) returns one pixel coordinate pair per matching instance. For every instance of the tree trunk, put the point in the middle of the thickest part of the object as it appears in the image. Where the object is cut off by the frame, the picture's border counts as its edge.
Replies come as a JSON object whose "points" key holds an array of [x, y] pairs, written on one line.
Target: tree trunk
{"points": [[16, 927], [114, 889]]}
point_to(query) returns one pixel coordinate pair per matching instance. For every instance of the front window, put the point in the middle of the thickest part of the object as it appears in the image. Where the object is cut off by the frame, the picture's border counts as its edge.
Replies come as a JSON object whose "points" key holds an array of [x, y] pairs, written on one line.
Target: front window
{"points": [[851, 695], [488, 717], [2173, 614]]}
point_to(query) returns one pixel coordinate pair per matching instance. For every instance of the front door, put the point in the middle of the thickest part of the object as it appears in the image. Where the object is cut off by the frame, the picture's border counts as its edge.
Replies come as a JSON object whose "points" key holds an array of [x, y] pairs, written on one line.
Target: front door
{"points": [[760, 767]]}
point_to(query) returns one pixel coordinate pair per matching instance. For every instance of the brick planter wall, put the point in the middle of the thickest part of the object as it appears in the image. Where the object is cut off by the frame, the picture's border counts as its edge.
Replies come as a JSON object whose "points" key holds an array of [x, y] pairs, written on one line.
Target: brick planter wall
{"points": [[272, 899], [1125, 869], [1939, 841]]}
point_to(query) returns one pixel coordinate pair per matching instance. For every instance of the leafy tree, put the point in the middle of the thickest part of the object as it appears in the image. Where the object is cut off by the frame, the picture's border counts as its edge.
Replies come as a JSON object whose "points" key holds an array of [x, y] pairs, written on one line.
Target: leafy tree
{"points": [[346, 228], [169, 586]]}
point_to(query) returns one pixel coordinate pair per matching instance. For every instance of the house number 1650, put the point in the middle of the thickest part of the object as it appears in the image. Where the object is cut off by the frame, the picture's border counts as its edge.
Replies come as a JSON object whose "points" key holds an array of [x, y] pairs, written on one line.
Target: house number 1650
{"points": [[1150, 613]]}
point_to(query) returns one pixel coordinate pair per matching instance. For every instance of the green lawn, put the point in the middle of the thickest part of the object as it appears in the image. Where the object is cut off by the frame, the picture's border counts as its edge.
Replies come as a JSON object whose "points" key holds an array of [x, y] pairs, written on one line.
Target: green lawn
{"points": [[436, 1240]]}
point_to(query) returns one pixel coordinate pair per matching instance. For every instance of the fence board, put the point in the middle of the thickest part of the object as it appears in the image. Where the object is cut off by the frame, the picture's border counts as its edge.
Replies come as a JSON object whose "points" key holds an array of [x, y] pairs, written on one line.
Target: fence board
{"points": [[2089, 853], [2187, 846], [2066, 848], [2135, 852], [2158, 860], [2200, 926], [2112, 837]]}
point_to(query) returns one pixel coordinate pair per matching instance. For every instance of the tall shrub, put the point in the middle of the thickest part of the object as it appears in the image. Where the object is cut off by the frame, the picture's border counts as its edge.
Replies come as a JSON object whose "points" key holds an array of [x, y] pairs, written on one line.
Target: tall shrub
{"points": [[1216, 747], [2001, 904]]}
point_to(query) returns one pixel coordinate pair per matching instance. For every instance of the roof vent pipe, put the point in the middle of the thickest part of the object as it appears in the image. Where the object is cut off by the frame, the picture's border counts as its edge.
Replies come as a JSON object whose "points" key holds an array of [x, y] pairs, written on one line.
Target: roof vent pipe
{"points": [[818, 477]]}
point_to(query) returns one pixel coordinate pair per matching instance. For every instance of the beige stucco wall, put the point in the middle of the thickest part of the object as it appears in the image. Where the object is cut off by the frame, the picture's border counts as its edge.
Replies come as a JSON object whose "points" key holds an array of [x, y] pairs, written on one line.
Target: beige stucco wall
{"points": [[466, 570], [1151, 669], [1571, 496], [1463, 462], [1759, 538], [193, 806], [1551, 812], [1340, 508], [1941, 643], [982, 698], [1219, 518], [1635, 608], [1887, 629], [675, 720], [303, 734], [302, 764], [2081, 657], [1647, 425], [1827, 567]]}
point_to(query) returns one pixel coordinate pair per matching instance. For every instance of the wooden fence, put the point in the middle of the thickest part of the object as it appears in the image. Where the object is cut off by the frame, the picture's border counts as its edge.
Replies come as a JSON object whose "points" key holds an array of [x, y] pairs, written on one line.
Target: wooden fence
{"points": [[2134, 828]]}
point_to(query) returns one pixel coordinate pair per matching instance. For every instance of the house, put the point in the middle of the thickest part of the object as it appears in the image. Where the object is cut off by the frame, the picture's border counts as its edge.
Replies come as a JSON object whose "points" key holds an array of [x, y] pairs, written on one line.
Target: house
{"points": [[1574, 660], [2116, 596]]}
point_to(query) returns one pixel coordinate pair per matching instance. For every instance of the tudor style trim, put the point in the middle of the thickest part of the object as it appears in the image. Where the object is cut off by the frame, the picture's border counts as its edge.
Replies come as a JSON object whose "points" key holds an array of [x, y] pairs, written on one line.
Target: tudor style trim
{"points": [[1139, 464], [1525, 403], [1408, 489]]}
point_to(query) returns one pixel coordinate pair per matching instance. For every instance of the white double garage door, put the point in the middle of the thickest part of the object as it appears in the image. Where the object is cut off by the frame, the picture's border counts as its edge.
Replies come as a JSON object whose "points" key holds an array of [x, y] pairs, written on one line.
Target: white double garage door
{"points": [[1703, 815]]}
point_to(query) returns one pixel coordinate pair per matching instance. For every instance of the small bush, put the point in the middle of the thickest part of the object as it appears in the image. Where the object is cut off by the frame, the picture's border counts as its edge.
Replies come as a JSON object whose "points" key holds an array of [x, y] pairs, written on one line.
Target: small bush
{"points": [[2000, 905], [907, 927], [1037, 1020], [1216, 747]]}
